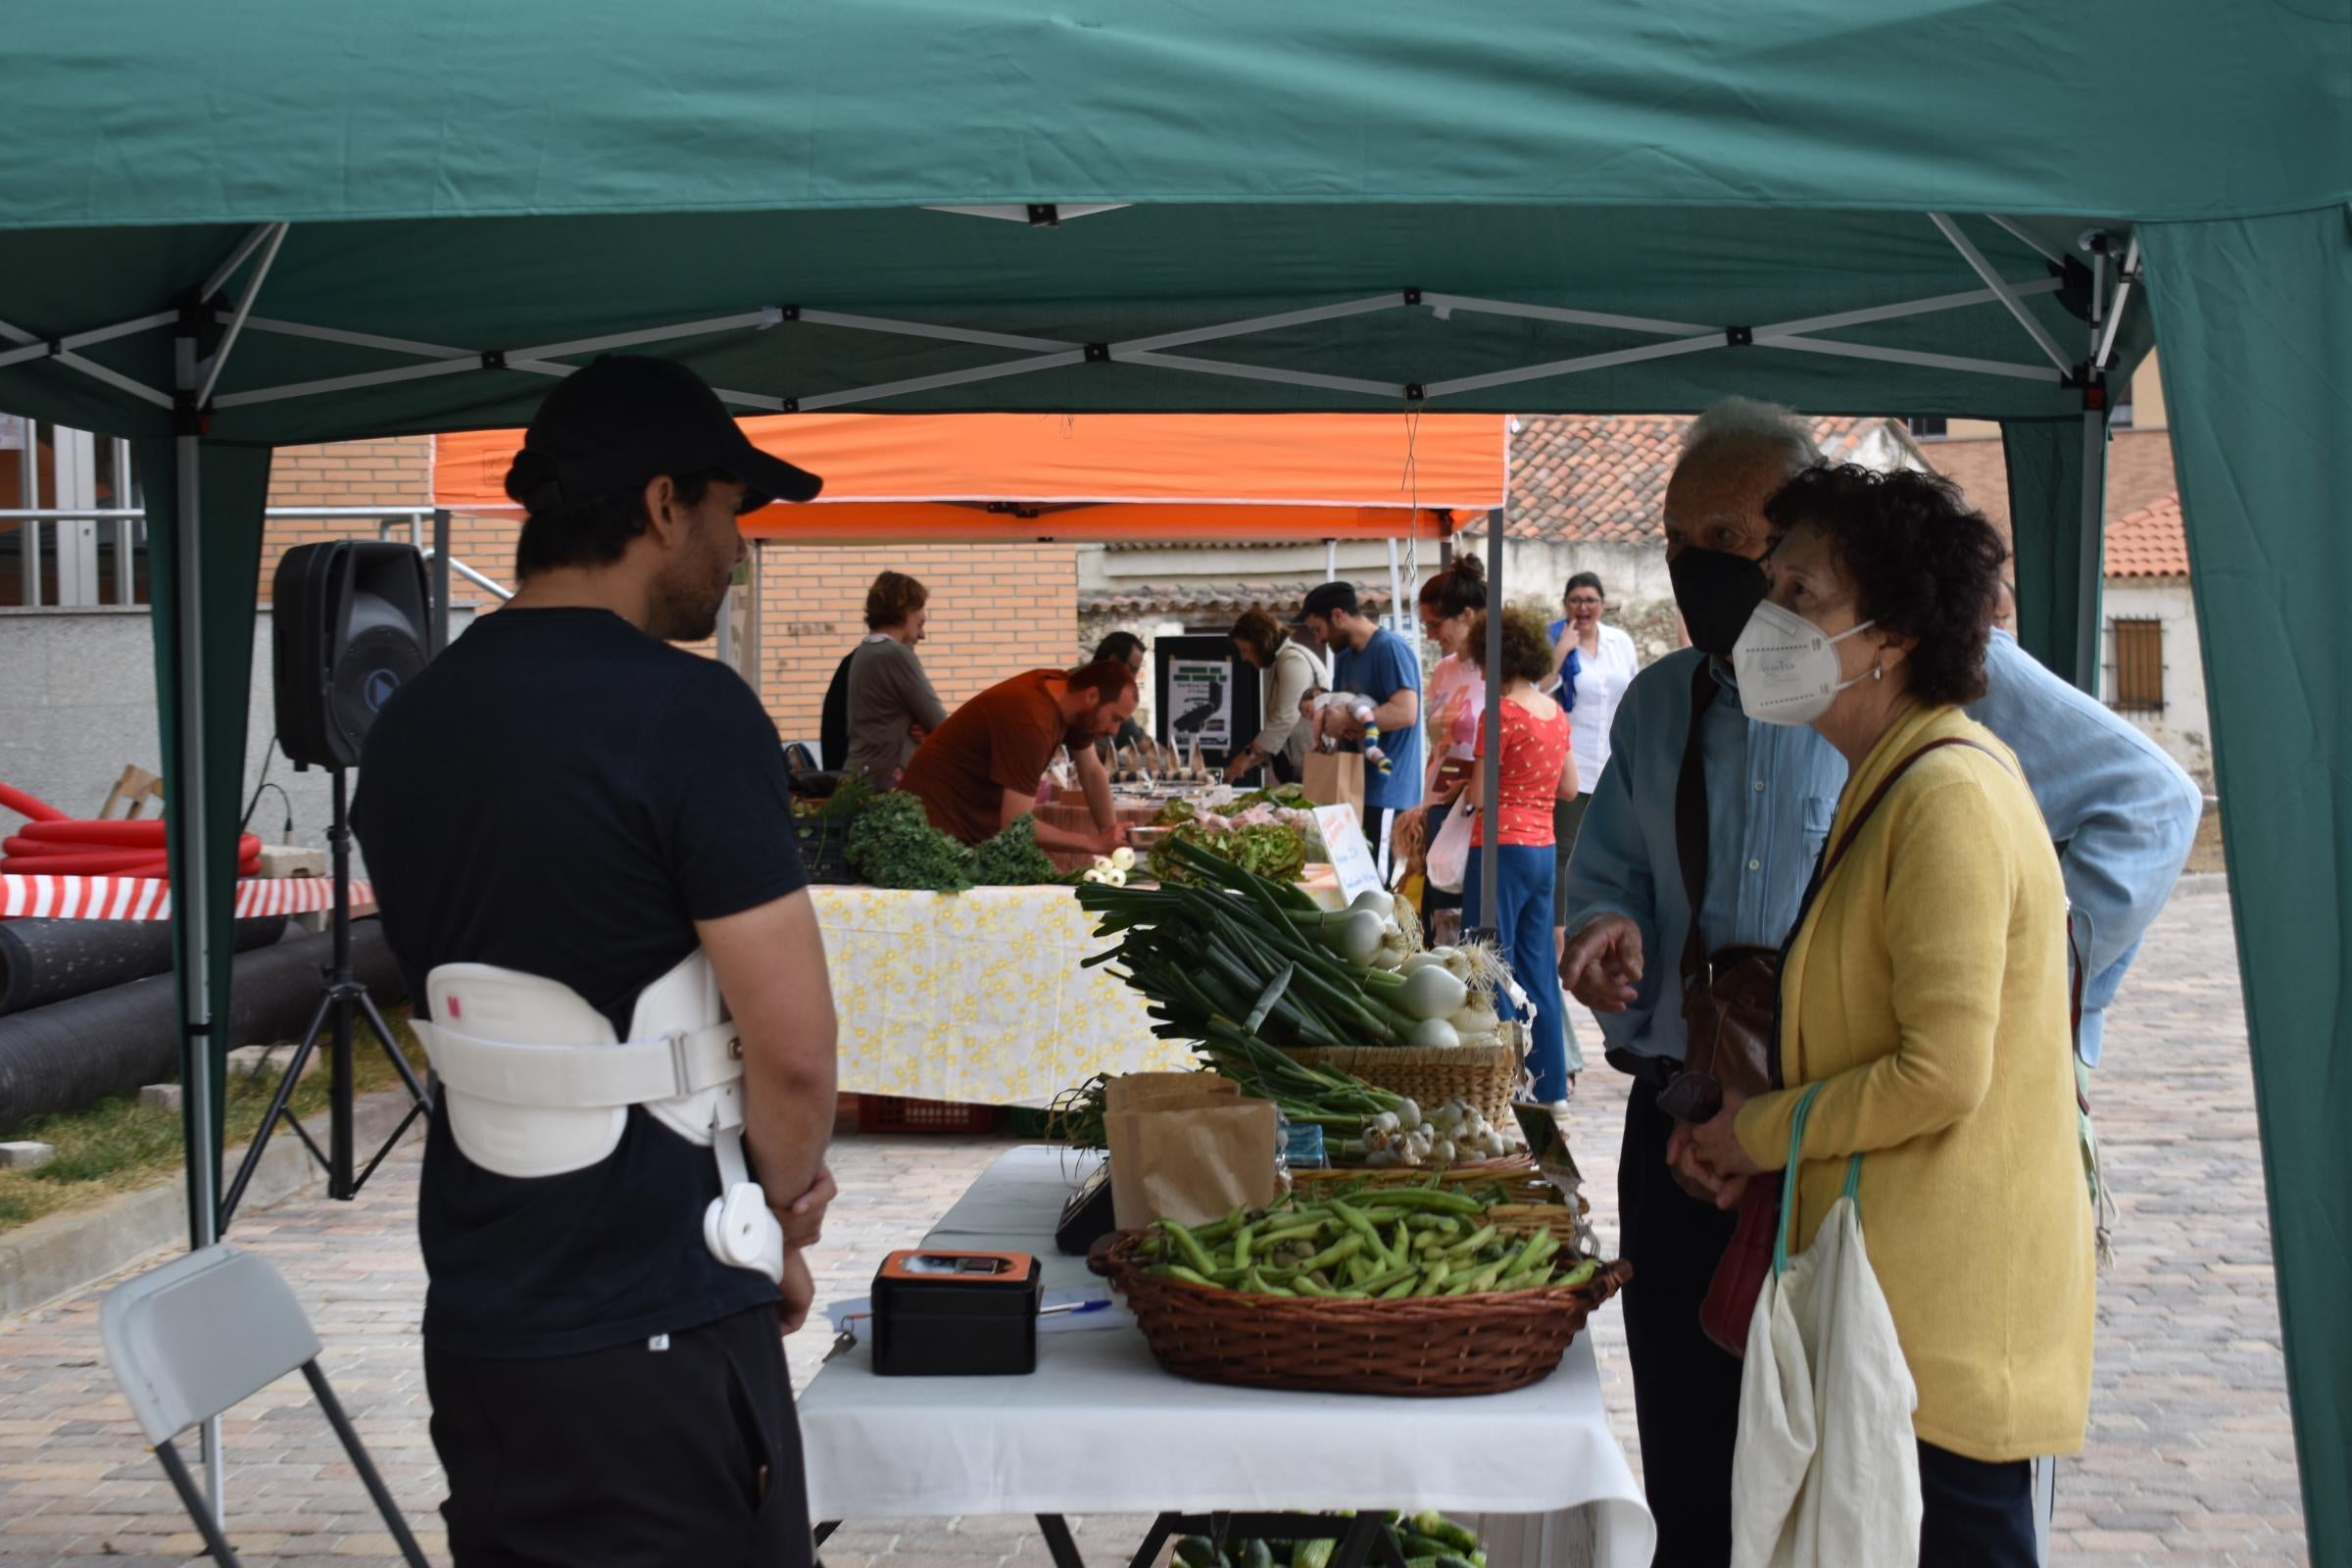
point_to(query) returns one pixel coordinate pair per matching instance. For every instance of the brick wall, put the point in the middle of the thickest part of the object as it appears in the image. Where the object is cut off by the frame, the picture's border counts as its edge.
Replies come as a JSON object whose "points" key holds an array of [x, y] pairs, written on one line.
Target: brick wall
{"points": [[396, 472], [996, 610]]}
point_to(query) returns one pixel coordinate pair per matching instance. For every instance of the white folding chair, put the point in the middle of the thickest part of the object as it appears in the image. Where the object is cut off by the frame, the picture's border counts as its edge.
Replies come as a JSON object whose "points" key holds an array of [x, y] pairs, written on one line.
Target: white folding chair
{"points": [[200, 1336]]}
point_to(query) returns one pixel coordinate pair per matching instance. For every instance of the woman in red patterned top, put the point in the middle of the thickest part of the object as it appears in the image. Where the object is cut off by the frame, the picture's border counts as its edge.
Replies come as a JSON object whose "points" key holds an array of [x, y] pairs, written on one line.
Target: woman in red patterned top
{"points": [[1538, 768]]}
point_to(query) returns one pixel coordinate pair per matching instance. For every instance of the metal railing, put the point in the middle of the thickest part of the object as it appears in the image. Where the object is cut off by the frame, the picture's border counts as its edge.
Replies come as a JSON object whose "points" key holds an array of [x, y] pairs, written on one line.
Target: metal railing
{"points": [[389, 520]]}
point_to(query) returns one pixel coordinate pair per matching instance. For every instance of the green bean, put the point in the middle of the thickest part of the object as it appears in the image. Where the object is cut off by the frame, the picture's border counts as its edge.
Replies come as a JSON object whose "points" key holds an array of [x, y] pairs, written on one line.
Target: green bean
{"points": [[1338, 1252], [1384, 1281], [1541, 1246], [1473, 1242], [1433, 1198], [1189, 1246], [1270, 1240], [1484, 1279], [1241, 1246], [1355, 1221]]}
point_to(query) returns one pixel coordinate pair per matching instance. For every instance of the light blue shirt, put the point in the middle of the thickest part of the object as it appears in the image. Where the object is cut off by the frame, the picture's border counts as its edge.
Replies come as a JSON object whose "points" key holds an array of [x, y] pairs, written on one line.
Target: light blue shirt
{"points": [[1384, 666], [2121, 811]]}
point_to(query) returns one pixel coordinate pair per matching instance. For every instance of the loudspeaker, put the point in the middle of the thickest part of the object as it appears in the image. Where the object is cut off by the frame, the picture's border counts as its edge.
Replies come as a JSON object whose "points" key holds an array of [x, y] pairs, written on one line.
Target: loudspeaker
{"points": [[348, 630]]}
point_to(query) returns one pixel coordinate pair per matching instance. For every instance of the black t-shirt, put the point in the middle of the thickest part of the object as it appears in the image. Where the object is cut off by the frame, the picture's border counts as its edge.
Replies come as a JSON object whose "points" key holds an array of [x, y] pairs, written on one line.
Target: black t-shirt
{"points": [[561, 794]]}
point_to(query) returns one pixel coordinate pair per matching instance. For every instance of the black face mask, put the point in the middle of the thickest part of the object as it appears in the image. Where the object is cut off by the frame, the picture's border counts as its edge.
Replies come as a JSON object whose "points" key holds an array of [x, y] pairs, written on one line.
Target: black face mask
{"points": [[1716, 591]]}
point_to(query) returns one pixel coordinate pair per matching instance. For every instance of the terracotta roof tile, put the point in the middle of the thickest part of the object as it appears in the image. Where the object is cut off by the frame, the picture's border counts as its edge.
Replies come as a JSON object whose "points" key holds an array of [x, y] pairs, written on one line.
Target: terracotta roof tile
{"points": [[1213, 599], [1604, 478], [2144, 537], [2149, 542]]}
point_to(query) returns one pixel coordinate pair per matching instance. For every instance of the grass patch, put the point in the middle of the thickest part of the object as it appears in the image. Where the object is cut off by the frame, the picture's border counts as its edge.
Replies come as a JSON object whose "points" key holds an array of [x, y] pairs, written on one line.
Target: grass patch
{"points": [[119, 1145]]}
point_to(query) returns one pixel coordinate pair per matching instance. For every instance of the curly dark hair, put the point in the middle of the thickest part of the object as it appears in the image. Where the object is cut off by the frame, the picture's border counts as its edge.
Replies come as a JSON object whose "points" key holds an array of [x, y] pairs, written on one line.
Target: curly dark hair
{"points": [[1526, 645], [1925, 565]]}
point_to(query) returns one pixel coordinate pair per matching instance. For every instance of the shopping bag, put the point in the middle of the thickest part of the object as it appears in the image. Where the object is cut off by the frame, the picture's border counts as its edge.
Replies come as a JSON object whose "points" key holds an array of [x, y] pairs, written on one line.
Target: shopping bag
{"points": [[1449, 851], [1826, 1474], [1190, 1157], [1335, 778]]}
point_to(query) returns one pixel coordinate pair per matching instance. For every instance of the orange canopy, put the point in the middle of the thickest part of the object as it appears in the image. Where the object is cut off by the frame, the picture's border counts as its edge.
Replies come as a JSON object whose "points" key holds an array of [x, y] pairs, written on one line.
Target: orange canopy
{"points": [[1099, 476]]}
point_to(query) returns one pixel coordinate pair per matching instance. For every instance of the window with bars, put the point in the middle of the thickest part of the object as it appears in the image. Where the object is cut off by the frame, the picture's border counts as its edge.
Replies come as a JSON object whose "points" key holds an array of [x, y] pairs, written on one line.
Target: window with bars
{"points": [[2138, 670]]}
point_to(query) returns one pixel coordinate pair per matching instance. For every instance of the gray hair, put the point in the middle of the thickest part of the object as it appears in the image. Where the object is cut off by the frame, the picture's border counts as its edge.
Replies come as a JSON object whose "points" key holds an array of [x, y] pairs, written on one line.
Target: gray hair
{"points": [[1744, 420]]}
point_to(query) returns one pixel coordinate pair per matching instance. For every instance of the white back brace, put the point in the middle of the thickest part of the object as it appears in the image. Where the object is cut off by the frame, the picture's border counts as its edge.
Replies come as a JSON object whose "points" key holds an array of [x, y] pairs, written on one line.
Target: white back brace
{"points": [[537, 1086]]}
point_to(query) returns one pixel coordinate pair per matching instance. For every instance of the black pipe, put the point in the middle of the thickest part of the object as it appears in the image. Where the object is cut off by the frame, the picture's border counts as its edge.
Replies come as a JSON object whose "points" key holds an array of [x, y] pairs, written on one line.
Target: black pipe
{"points": [[65, 1056], [49, 961]]}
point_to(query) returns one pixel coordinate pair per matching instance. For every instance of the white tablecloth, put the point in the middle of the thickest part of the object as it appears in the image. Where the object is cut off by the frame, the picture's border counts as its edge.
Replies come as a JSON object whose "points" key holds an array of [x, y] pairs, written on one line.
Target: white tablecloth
{"points": [[1100, 1429], [977, 996]]}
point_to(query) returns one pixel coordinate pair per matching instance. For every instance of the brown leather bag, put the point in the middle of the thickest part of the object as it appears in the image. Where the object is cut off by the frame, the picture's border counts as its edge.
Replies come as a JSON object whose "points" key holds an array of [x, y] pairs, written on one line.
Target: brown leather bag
{"points": [[1731, 1302], [1729, 995]]}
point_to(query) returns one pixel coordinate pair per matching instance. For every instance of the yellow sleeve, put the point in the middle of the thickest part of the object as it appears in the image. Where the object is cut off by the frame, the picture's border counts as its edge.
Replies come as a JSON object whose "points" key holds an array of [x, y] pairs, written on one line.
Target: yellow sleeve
{"points": [[1950, 871]]}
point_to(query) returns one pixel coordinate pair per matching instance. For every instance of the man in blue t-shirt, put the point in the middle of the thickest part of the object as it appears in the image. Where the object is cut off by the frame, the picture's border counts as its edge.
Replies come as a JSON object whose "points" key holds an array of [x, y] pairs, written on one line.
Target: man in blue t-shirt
{"points": [[564, 793], [1370, 661]]}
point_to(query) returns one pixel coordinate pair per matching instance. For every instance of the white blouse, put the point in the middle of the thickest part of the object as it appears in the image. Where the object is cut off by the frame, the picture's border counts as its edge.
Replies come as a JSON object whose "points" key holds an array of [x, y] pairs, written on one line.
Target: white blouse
{"points": [[1601, 683]]}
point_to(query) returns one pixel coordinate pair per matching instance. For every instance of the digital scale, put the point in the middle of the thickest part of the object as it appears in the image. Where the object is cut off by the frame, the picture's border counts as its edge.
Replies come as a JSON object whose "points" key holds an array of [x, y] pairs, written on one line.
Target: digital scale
{"points": [[940, 1313]]}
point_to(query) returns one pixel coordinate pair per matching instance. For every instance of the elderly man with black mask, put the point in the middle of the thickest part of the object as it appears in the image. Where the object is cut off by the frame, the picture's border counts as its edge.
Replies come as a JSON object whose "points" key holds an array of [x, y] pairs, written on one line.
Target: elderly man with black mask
{"points": [[2121, 811]]}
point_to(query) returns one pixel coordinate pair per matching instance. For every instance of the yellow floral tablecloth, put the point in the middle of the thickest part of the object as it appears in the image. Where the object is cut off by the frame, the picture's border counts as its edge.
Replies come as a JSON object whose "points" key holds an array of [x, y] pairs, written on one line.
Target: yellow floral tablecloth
{"points": [[977, 996]]}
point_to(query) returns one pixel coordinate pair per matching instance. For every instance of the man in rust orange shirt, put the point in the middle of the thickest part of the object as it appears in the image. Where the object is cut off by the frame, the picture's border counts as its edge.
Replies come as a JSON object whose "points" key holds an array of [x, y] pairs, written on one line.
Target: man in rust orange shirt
{"points": [[979, 770]]}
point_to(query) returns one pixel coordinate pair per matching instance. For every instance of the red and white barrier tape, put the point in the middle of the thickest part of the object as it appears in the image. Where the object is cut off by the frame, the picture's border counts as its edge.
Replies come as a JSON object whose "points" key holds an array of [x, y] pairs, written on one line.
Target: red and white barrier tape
{"points": [[140, 898]]}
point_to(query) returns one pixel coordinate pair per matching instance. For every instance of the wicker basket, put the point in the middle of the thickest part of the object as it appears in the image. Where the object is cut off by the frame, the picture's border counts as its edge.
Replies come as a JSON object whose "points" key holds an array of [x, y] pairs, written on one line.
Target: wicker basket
{"points": [[1444, 1346], [1488, 1077]]}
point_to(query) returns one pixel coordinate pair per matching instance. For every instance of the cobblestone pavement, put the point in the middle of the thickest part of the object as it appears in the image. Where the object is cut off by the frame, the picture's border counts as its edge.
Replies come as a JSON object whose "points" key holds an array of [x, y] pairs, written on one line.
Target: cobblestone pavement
{"points": [[2190, 1458]]}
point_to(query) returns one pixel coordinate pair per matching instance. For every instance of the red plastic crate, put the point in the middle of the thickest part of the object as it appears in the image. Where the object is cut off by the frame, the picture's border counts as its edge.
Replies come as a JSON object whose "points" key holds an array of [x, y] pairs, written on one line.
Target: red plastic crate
{"points": [[893, 1114]]}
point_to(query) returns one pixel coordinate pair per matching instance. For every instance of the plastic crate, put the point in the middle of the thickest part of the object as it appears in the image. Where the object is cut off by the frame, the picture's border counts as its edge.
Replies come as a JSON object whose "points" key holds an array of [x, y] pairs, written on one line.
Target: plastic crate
{"points": [[892, 1114]]}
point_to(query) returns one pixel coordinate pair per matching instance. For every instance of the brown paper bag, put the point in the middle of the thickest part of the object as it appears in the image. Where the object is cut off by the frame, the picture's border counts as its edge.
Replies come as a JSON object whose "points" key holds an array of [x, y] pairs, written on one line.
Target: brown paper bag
{"points": [[1129, 1091], [1335, 778], [1191, 1158]]}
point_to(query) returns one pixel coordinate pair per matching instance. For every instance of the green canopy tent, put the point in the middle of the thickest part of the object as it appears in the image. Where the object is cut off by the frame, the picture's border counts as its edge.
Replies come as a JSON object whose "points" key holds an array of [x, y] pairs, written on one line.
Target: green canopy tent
{"points": [[303, 219]]}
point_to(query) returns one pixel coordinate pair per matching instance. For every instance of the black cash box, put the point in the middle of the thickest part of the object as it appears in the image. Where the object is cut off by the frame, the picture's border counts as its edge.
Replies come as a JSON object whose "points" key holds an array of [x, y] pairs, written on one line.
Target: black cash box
{"points": [[957, 1314]]}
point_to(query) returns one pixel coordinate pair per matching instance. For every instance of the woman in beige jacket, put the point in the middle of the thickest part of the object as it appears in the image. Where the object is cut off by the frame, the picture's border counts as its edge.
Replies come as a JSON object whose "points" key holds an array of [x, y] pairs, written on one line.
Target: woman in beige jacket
{"points": [[1924, 991]]}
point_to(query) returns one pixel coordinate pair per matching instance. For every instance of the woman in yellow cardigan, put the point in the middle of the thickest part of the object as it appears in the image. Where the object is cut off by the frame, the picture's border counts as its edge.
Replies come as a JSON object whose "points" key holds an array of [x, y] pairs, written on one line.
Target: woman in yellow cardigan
{"points": [[1925, 990]]}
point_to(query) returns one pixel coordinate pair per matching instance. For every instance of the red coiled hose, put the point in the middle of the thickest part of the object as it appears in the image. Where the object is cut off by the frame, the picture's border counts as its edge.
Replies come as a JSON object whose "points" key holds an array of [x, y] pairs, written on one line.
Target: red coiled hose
{"points": [[54, 844]]}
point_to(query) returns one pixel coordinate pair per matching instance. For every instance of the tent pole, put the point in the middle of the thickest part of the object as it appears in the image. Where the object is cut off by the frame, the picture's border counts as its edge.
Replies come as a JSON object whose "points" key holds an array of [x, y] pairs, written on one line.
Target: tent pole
{"points": [[440, 626], [2092, 542], [191, 897], [1395, 593], [1489, 852], [2092, 545], [1331, 560]]}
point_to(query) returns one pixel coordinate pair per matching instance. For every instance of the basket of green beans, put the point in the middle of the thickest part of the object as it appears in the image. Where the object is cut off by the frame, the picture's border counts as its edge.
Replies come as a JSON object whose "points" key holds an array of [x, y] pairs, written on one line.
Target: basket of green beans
{"points": [[1399, 1290]]}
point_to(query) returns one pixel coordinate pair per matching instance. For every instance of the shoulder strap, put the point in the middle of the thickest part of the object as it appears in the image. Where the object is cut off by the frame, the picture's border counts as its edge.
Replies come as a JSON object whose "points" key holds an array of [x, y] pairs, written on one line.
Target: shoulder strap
{"points": [[1855, 827], [1691, 818]]}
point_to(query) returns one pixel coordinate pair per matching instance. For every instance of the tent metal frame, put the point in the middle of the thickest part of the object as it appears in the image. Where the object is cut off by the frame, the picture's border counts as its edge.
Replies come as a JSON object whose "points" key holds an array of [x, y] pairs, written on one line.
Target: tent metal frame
{"points": [[1040, 354]]}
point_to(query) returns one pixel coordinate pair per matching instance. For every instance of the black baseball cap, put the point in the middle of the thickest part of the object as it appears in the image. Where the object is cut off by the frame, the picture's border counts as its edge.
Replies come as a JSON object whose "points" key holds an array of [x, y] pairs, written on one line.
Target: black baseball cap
{"points": [[617, 422]]}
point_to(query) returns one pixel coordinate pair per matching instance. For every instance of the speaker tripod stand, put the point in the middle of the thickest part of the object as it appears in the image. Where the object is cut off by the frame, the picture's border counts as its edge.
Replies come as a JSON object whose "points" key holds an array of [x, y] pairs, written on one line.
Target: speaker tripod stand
{"points": [[344, 1002]]}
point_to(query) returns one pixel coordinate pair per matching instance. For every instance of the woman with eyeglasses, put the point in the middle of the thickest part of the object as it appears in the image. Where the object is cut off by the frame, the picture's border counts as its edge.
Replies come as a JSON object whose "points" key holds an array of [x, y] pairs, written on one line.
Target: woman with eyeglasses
{"points": [[1596, 663]]}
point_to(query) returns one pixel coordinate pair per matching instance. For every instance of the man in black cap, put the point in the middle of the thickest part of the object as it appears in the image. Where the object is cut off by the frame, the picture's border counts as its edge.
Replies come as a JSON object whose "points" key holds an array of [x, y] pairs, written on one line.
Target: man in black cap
{"points": [[565, 797]]}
